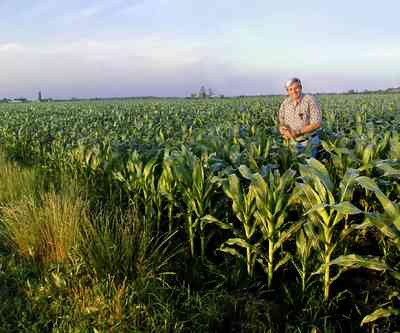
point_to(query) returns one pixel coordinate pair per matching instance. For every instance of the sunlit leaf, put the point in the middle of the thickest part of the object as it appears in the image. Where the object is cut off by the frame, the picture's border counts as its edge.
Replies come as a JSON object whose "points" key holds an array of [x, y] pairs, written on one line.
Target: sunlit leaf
{"points": [[380, 313]]}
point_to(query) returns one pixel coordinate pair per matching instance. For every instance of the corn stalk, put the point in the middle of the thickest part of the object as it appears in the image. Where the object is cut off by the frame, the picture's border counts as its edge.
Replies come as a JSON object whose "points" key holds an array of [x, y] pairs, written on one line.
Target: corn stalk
{"points": [[139, 181], [326, 206], [243, 206], [196, 188], [273, 199], [167, 188]]}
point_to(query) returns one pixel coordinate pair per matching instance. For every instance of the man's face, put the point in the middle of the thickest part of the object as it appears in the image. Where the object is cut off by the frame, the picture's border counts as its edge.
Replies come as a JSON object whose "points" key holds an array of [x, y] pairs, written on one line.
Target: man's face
{"points": [[294, 91]]}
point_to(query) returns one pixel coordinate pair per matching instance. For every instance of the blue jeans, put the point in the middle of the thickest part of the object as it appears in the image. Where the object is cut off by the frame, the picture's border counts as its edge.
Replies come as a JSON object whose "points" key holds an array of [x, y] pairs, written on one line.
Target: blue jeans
{"points": [[314, 141]]}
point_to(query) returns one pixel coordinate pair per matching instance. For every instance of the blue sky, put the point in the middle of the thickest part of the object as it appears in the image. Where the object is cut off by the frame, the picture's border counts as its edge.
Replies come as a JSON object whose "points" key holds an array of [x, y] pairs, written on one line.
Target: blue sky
{"points": [[108, 48]]}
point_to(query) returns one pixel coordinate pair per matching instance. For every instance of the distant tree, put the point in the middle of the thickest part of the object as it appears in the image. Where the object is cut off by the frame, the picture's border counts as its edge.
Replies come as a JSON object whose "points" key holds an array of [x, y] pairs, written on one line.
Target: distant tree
{"points": [[21, 99], [210, 92], [203, 92]]}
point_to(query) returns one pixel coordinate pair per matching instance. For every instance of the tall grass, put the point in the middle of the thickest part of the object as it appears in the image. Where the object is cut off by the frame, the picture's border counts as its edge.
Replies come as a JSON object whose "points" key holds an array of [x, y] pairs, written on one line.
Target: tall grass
{"points": [[122, 244], [118, 270], [37, 224], [46, 229], [16, 183]]}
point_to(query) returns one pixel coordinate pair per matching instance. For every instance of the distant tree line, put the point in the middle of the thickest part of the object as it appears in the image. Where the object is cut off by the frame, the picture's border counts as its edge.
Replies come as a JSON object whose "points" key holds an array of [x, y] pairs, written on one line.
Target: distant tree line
{"points": [[205, 93], [380, 91]]}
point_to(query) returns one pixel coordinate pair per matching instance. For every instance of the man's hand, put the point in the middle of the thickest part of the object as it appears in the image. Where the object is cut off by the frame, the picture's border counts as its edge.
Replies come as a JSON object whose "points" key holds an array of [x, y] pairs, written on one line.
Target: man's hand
{"points": [[297, 133], [286, 133], [305, 130]]}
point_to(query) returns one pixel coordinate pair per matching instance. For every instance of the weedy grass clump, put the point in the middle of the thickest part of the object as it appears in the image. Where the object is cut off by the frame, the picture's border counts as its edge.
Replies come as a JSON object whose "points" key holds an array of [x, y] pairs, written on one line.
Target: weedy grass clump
{"points": [[44, 230], [123, 245], [17, 183]]}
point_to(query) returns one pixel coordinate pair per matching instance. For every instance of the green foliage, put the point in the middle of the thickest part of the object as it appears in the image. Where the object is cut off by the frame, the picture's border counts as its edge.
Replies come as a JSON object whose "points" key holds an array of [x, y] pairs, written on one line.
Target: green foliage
{"points": [[123, 245], [45, 231], [102, 196]]}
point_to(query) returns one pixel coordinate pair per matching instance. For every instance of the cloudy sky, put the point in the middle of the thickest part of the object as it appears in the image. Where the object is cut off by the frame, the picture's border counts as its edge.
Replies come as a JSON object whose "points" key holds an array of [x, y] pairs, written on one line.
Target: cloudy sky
{"points": [[106, 48]]}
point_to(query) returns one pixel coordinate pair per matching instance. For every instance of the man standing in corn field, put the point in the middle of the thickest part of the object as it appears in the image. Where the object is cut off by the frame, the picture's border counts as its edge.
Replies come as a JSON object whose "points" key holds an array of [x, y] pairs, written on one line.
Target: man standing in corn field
{"points": [[299, 118]]}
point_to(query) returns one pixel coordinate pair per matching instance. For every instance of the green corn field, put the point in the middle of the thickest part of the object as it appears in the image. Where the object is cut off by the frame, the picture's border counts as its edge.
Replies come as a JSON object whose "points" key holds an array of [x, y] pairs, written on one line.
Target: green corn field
{"points": [[189, 215]]}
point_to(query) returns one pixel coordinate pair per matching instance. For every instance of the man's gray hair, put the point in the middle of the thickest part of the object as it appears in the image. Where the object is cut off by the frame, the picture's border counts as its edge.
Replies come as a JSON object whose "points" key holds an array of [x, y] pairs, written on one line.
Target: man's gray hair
{"points": [[292, 81]]}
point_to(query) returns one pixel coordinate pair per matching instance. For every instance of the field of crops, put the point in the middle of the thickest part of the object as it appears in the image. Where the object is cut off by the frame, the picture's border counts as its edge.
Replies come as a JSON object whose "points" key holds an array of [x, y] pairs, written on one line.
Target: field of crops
{"points": [[194, 215]]}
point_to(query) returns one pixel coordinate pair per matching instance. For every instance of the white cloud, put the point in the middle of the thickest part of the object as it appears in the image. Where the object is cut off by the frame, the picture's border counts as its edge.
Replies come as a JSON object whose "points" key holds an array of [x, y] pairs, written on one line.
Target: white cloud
{"points": [[154, 49], [161, 65], [78, 68], [388, 52], [7, 47]]}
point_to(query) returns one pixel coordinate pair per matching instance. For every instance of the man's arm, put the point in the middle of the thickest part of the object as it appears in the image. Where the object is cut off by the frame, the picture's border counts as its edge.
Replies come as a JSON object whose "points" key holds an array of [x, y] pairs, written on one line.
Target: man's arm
{"points": [[307, 129]]}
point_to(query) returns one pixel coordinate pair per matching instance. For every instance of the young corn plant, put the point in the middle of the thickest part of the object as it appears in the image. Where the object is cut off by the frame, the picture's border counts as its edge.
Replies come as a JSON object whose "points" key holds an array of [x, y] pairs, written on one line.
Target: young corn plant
{"points": [[388, 223], [258, 153], [273, 198], [286, 156], [244, 207], [167, 188], [139, 181], [85, 162], [340, 158], [306, 241], [394, 144], [327, 206], [196, 188]]}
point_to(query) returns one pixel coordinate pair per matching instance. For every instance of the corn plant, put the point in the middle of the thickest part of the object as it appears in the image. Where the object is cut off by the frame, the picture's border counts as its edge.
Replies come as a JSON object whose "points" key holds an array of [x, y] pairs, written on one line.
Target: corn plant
{"points": [[257, 153], [387, 222], [243, 207], [85, 162], [273, 198], [394, 152], [306, 241], [326, 206], [340, 158], [196, 188], [167, 187], [139, 181]]}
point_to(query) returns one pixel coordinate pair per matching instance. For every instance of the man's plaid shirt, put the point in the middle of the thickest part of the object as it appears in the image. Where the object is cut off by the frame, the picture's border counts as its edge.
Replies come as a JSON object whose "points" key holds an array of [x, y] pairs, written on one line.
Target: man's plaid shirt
{"points": [[297, 116]]}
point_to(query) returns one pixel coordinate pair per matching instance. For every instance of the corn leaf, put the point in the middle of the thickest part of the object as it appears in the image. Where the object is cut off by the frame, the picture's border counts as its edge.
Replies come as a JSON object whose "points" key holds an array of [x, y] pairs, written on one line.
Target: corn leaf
{"points": [[285, 235], [368, 184], [230, 251], [346, 208], [388, 170], [239, 242], [283, 261], [245, 172], [356, 261], [380, 313], [320, 171], [385, 226], [209, 219]]}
